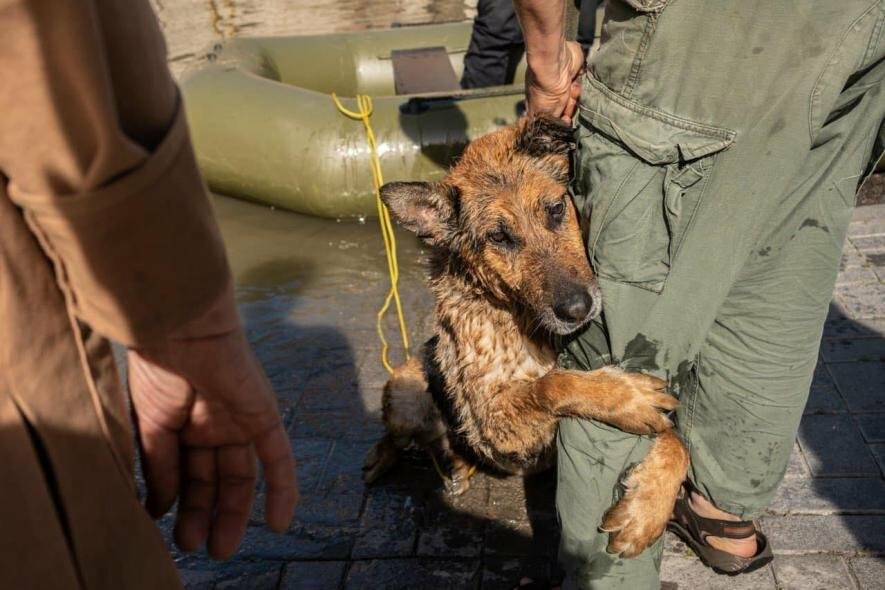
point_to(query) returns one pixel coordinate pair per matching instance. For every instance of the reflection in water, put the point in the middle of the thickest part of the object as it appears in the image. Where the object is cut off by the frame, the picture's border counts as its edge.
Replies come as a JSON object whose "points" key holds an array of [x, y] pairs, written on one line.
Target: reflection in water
{"points": [[309, 272]]}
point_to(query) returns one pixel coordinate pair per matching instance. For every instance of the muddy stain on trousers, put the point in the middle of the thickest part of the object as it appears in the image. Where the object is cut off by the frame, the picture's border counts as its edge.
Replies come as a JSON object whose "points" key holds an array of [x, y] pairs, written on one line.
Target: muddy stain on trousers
{"points": [[721, 145]]}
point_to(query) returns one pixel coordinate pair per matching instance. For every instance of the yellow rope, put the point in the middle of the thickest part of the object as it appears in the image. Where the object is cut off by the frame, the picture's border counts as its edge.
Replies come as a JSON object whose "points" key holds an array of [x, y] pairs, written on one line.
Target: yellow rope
{"points": [[364, 114]]}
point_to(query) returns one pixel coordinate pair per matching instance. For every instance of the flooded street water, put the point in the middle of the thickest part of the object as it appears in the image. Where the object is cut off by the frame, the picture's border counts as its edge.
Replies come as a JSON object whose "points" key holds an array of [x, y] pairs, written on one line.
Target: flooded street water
{"points": [[310, 288]]}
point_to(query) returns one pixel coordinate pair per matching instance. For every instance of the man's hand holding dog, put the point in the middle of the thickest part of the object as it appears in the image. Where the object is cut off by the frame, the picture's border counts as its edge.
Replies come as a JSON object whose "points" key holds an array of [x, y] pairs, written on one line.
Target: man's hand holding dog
{"points": [[554, 64]]}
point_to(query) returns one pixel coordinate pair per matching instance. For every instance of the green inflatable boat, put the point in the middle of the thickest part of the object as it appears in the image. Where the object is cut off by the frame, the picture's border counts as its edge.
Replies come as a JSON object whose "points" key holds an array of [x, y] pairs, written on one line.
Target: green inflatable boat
{"points": [[265, 126]]}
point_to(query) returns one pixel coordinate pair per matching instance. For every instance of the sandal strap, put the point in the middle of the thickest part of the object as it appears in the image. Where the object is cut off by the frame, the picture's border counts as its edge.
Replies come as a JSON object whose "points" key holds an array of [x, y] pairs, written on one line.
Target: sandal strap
{"points": [[726, 529], [702, 527]]}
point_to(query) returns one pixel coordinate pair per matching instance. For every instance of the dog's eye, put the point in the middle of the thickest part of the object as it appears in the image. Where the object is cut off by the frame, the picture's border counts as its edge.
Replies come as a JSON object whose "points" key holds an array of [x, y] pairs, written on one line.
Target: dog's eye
{"points": [[555, 214], [556, 209], [499, 237]]}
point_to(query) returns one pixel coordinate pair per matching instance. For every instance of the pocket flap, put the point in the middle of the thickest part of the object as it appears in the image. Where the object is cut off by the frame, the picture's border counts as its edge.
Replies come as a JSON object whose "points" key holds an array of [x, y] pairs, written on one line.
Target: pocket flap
{"points": [[653, 135]]}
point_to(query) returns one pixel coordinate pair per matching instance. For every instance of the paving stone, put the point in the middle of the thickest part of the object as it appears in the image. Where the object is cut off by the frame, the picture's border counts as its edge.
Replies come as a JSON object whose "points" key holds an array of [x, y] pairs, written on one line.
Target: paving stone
{"points": [[673, 545], [853, 349], [869, 571], [823, 398], [507, 499], [539, 537], [871, 243], [334, 490], [861, 384], [505, 573], [851, 258], [334, 396], [330, 508], [857, 275], [409, 574], [414, 472], [830, 496], [872, 426], [797, 467], [458, 536], [689, 572], [845, 534], [878, 263], [833, 446], [388, 527], [350, 424], [311, 456], [871, 227], [868, 213], [811, 572], [474, 502], [264, 580], [313, 575], [878, 451], [371, 372], [841, 327], [200, 572], [447, 531], [332, 374], [344, 469], [308, 542], [861, 301], [197, 579]]}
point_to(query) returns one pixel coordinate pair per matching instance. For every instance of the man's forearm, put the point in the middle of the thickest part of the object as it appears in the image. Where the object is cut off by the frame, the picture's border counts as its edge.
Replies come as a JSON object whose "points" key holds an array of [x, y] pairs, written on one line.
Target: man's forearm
{"points": [[543, 26], [551, 86]]}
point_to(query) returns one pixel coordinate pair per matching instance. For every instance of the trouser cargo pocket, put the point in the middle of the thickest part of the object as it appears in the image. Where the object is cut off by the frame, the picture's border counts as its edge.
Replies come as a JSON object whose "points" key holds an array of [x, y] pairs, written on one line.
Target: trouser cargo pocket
{"points": [[643, 173]]}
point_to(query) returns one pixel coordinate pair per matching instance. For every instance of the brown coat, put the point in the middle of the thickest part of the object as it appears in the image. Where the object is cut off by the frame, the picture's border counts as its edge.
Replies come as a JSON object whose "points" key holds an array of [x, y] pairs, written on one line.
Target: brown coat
{"points": [[105, 232]]}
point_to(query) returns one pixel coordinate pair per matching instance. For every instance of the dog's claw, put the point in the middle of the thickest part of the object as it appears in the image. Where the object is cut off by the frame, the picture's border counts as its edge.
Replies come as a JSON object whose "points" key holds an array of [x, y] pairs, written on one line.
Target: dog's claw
{"points": [[457, 485], [643, 402]]}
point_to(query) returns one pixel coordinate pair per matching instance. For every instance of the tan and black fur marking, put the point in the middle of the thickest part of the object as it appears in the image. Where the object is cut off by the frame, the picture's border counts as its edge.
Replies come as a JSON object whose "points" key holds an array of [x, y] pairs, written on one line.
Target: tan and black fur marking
{"points": [[510, 275]]}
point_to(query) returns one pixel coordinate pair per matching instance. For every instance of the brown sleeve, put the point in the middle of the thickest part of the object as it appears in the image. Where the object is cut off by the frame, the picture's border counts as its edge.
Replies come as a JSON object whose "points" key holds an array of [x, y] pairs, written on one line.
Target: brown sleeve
{"points": [[94, 144]]}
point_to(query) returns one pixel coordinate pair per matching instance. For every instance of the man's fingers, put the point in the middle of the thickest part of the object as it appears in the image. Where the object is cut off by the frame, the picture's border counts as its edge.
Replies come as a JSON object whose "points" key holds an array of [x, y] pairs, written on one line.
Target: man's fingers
{"points": [[237, 472], [275, 454], [198, 488], [161, 467], [158, 430]]}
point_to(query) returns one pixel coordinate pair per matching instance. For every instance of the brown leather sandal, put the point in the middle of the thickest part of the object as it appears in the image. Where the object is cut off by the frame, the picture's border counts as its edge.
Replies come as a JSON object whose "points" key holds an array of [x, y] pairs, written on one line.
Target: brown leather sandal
{"points": [[695, 529]]}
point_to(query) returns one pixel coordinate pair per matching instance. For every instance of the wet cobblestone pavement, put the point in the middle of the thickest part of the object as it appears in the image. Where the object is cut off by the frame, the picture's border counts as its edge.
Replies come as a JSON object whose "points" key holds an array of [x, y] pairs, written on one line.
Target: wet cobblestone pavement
{"points": [[308, 291]]}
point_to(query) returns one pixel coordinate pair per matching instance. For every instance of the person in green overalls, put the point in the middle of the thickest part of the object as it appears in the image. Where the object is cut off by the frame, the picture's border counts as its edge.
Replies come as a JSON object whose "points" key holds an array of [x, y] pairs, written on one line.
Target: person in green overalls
{"points": [[720, 149]]}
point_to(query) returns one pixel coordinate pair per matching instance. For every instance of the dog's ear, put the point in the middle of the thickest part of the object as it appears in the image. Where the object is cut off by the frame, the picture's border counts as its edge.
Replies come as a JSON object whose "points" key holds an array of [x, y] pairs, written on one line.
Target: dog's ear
{"points": [[426, 208], [544, 135]]}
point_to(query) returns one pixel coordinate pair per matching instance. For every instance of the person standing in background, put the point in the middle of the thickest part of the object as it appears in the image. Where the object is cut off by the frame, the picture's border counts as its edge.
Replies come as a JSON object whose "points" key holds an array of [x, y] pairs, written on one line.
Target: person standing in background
{"points": [[106, 232]]}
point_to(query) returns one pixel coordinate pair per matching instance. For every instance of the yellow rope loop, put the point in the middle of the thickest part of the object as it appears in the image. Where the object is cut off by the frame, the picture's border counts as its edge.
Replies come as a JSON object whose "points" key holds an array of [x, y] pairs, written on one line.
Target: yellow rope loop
{"points": [[364, 114]]}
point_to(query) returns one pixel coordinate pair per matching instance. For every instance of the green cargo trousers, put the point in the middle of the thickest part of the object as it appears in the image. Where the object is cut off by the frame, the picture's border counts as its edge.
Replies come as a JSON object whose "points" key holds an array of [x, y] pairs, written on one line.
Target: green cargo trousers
{"points": [[721, 146]]}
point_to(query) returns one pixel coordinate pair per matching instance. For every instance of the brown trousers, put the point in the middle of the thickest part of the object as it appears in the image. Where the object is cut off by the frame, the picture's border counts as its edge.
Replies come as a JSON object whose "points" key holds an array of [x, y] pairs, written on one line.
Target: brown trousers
{"points": [[105, 232]]}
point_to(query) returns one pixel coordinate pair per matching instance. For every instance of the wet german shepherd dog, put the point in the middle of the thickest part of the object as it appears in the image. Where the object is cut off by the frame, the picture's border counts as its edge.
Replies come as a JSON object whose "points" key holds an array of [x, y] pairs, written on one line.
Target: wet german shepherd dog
{"points": [[510, 275]]}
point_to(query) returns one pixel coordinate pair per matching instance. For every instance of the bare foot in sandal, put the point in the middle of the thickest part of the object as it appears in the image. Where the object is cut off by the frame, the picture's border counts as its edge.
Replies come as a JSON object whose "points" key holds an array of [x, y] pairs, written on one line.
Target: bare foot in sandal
{"points": [[721, 540], [745, 547]]}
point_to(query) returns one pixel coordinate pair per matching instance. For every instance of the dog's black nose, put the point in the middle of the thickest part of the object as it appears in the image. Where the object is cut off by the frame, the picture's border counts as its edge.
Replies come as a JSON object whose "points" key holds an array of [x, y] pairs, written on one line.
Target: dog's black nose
{"points": [[574, 307]]}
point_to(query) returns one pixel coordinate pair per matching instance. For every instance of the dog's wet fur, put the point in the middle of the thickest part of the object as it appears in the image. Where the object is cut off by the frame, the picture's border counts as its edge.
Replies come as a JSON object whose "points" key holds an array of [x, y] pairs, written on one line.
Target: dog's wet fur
{"points": [[510, 276]]}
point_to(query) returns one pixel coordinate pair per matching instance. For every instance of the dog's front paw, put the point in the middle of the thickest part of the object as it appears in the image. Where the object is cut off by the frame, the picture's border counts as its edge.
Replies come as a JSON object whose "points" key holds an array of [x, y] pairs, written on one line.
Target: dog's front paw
{"points": [[641, 515], [458, 481], [641, 399]]}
